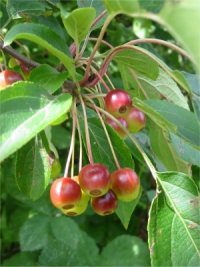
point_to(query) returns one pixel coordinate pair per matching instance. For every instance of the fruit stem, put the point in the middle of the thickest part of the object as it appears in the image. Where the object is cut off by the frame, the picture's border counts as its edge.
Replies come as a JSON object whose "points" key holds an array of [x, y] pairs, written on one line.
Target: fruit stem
{"points": [[107, 135], [110, 82], [87, 135], [102, 41], [72, 144], [100, 78], [80, 141], [99, 39], [87, 37], [134, 141], [107, 77]]}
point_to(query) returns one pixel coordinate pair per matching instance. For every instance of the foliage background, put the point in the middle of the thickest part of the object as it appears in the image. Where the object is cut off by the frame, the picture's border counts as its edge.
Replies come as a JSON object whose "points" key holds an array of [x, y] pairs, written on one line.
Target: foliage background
{"points": [[33, 233]]}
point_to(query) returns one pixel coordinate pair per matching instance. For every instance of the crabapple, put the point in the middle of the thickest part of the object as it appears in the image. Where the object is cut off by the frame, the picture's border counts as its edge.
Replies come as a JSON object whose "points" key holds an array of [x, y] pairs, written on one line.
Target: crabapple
{"points": [[8, 77], [125, 183], [79, 207], [117, 128], [106, 204], [94, 179], [65, 193], [118, 102], [136, 120]]}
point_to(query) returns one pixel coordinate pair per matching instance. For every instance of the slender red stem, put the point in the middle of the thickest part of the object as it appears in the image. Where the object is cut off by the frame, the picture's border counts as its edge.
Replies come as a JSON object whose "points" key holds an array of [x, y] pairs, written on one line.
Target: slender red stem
{"points": [[134, 141], [87, 135], [99, 39], [107, 135], [72, 144]]}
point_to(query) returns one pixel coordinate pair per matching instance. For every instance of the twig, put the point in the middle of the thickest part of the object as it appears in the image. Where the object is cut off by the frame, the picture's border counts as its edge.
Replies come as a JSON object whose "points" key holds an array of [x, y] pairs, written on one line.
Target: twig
{"points": [[160, 42], [9, 50]]}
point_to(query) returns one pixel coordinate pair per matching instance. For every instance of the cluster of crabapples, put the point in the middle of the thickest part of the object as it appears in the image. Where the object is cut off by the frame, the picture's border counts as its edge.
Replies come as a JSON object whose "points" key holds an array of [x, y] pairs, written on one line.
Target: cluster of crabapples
{"points": [[94, 183], [119, 103]]}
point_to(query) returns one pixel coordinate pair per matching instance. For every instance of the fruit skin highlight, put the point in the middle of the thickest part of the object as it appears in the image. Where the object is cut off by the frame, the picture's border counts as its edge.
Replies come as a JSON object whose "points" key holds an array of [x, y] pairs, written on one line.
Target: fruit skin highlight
{"points": [[94, 179], [8, 77], [106, 204], [136, 120], [118, 102], [125, 183], [65, 193]]}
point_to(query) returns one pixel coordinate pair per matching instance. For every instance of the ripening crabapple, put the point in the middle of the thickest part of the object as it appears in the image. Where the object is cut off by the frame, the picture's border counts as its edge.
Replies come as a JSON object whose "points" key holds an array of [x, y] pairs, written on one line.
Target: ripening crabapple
{"points": [[136, 120], [125, 183], [65, 193], [81, 206], [8, 77], [116, 127], [94, 179], [106, 204], [118, 102]]}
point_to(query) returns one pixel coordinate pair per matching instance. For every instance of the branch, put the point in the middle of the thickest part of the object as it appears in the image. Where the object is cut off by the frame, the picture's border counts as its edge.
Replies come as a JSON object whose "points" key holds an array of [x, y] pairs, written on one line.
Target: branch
{"points": [[9, 50], [160, 42]]}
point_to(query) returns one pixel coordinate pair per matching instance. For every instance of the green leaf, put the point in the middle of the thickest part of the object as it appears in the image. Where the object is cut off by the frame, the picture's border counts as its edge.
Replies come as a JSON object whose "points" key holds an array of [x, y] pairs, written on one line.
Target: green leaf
{"points": [[21, 259], [23, 8], [193, 82], [181, 80], [125, 209], [101, 149], [33, 169], [97, 4], [57, 134], [188, 126], [3, 14], [26, 109], [185, 150], [121, 6], [78, 23], [166, 87], [136, 84], [131, 251], [44, 37], [164, 150], [34, 233], [138, 61], [70, 246], [153, 114], [48, 77], [174, 219], [153, 6], [181, 19]]}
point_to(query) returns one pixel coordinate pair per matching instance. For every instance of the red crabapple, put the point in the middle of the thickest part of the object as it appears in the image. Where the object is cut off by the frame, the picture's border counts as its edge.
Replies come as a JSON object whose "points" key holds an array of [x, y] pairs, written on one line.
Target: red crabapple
{"points": [[118, 102], [125, 183], [94, 179], [117, 128], [8, 77], [106, 204], [136, 120], [65, 193]]}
